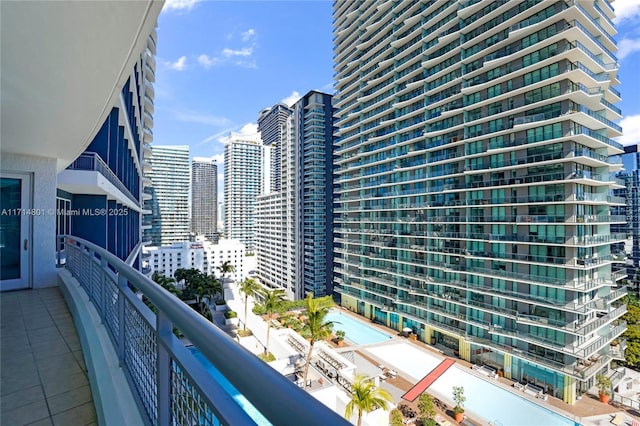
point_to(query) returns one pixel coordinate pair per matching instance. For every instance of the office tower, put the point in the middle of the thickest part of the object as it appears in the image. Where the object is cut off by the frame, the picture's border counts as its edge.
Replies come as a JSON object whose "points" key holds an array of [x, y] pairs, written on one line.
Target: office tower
{"points": [[271, 125], [295, 223], [474, 180], [169, 175], [204, 197], [242, 173]]}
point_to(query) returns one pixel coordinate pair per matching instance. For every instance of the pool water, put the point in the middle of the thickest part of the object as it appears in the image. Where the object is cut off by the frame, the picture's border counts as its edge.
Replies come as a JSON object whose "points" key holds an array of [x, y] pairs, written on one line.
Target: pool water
{"points": [[231, 390], [355, 331], [484, 399]]}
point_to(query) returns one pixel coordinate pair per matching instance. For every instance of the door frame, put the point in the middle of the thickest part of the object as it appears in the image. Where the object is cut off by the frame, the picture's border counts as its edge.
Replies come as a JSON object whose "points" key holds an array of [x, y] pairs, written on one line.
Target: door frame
{"points": [[26, 230]]}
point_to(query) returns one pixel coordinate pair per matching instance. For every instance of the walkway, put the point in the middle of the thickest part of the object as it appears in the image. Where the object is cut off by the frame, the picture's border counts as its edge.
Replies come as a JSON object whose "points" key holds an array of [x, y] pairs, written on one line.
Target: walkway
{"points": [[43, 375], [427, 380]]}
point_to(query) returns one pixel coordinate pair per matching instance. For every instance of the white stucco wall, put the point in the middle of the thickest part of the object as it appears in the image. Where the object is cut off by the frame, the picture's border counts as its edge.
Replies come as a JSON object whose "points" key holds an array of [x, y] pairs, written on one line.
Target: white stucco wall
{"points": [[43, 238]]}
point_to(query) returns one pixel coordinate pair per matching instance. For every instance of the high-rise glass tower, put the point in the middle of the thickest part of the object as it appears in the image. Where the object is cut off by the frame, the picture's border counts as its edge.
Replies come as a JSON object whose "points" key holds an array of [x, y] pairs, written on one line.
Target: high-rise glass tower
{"points": [[294, 233], [474, 180], [204, 197], [271, 125], [170, 195], [242, 176]]}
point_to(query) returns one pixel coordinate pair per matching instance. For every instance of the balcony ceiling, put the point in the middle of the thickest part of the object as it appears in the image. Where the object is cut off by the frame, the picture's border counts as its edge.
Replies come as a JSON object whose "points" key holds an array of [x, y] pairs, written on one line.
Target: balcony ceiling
{"points": [[62, 66]]}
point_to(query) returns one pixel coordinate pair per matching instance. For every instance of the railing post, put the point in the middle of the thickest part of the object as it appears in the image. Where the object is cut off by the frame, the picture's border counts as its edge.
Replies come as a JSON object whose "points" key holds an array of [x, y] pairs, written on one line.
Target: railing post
{"points": [[92, 296], [103, 265], [164, 330], [122, 285]]}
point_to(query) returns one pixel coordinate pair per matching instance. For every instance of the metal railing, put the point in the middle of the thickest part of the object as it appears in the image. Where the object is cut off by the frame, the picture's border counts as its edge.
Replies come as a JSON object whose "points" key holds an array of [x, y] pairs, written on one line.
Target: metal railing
{"points": [[171, 386], [92, 161]]}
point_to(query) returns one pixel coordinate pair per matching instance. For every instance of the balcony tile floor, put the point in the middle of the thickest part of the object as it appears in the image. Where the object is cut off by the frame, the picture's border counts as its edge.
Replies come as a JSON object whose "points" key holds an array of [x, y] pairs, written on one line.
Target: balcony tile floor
{"points": [[43, 376]]}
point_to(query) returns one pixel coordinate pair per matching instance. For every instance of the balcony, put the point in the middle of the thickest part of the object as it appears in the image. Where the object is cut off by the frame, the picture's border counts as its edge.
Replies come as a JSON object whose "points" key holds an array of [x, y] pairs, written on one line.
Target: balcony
{"points": [[44, 376], [169, 383], [90, 161]]}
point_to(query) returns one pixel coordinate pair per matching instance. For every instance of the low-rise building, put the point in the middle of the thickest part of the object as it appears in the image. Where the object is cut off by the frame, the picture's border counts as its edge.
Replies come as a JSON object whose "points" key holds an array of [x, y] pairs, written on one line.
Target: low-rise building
{"points": [[201, 255]]}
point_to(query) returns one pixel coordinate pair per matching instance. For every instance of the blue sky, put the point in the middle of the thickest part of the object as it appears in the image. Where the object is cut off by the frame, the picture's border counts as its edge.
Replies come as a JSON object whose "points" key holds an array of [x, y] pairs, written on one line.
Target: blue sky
{"points": [[220, 62]]}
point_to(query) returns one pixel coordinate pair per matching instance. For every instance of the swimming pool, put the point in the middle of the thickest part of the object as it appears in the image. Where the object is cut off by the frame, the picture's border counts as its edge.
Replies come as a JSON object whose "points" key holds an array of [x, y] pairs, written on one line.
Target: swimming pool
{"points": [[231, 390], [356, 331], [484, 399]]}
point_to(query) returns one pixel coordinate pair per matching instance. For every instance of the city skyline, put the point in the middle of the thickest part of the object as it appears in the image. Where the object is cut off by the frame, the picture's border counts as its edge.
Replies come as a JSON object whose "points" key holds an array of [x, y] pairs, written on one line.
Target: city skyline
{"points": [[247, 45]]}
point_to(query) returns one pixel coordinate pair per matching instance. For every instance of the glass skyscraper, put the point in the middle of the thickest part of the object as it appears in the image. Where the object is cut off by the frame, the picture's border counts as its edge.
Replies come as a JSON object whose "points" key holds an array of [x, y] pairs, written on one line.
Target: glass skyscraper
{"points": [[204, 197], [474, 162], [242, 176], [169, 202]]}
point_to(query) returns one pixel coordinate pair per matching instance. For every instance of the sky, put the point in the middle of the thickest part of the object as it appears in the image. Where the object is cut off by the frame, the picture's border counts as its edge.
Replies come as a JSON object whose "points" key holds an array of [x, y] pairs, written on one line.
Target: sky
{"points": [[220, 62]]}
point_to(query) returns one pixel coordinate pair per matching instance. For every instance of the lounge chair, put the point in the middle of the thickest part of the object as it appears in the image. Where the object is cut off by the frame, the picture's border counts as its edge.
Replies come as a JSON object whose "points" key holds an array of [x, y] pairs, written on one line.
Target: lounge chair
{"points": [[617, 420]]}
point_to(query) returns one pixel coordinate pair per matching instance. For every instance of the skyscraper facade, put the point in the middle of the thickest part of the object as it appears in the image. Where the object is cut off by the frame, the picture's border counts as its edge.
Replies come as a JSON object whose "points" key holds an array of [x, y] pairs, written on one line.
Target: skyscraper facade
{"points": [[271, 125], [631, 209], [294, 233], [242, 176], [204, 197], [169, 204], [474, 180], [109, 175]]}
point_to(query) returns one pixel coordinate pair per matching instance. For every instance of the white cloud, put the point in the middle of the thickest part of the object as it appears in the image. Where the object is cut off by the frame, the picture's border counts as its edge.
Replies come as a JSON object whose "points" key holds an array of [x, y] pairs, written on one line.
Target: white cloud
{"points": [[207, 61], [248, 131], [292, 98], [189, 116], [627, 46], [248, 35], [219, 158], [626, 9], [179, 65], [247, 51], [630, 129], [179, 4]]}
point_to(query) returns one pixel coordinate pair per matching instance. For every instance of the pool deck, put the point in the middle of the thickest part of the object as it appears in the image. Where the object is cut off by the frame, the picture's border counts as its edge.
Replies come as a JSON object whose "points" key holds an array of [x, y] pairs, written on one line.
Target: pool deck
{"points": [[588, 406]]}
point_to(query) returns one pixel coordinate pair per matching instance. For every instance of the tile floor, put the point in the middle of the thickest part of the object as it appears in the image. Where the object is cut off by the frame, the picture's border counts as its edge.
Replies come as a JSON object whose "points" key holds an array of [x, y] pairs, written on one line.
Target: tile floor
{"points": [[43, 376]]}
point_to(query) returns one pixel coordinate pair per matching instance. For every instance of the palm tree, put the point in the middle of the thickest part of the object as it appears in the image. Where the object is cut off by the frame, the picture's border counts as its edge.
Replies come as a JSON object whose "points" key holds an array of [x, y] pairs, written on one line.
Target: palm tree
{"points": [[226, 268], [167, 283], [248, 287], [206, 287], [316, 327], [365, 397], [189, 276], [271, 299]]}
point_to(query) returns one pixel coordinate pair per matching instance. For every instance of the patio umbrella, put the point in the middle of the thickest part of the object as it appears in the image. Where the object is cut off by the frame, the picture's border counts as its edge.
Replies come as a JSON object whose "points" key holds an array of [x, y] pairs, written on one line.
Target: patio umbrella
{"points": [[407, 329]]}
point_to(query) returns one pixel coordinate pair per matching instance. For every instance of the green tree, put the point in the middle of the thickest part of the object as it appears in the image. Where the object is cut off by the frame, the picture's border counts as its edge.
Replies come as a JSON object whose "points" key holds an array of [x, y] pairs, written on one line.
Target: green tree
{"points": [[206, 288], [316, 327], [365, 397], [188, 277], [270, 301], [226, 268], [426, 409], [248, 287], [167, 283]]}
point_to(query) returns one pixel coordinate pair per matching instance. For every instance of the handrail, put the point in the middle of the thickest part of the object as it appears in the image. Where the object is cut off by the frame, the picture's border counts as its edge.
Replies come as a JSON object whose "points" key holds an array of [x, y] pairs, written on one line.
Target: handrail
{"points": [[274, 396]]}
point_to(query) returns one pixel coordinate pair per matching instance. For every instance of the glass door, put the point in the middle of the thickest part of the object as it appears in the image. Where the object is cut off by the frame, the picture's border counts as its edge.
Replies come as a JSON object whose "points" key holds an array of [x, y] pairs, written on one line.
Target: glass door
{"points": [[15, 220]]}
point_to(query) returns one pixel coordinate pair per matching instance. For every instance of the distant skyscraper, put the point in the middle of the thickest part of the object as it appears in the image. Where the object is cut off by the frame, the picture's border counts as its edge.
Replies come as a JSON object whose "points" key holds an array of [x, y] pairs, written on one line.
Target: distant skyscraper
{"points": [[294, 232], [242, 176], [204, 197], [271, 125], [170, 195], [631, 194], [474, 177]]}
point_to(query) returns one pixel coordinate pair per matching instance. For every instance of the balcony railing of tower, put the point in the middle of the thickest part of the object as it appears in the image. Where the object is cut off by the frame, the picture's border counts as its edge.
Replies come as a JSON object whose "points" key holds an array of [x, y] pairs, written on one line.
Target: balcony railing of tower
{"points": [[92, 161], [172, 386]]}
